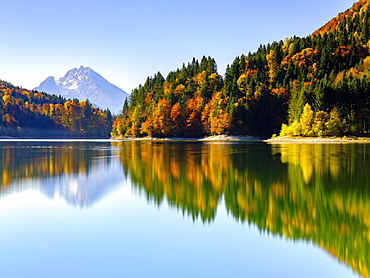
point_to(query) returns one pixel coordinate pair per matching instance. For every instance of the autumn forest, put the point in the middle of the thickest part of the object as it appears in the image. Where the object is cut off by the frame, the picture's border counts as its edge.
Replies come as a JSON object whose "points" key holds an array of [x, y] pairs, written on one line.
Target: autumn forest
{"points": [[27, 113], [313, 86], [260, 91]]}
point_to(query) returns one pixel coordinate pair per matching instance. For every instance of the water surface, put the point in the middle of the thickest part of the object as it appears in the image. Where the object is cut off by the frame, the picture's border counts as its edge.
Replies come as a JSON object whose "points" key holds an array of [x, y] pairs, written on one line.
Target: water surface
{"points": [[171, 209]]}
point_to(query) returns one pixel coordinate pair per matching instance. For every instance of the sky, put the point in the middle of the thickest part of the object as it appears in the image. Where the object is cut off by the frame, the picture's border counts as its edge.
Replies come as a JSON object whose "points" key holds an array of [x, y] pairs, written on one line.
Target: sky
{"points": [[127, 41]]}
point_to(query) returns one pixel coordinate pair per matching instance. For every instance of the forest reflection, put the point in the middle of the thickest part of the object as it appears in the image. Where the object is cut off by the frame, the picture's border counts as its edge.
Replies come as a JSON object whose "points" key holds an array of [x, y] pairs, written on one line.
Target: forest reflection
{"points": [[74, 171], [316, 193]]}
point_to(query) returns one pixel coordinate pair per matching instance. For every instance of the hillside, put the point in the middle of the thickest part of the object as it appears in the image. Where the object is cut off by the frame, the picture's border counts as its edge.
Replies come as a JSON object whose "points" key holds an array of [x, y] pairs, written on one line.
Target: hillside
{"points": [[260, 91], [25, 113]]}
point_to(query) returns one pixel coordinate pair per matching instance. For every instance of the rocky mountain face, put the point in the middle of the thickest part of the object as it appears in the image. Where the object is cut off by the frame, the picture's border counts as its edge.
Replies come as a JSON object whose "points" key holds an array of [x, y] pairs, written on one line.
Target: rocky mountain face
{"points": [[84, 83]]}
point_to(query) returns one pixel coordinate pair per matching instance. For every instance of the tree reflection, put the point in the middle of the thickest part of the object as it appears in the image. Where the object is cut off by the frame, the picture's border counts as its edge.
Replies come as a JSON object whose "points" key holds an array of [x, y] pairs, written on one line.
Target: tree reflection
{"points": [[74, 171], [317, 193]]}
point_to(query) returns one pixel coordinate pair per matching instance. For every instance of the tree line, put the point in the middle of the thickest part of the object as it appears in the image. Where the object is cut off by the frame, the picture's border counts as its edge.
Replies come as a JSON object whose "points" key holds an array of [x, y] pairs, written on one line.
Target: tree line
{"points": [[25, 113]]}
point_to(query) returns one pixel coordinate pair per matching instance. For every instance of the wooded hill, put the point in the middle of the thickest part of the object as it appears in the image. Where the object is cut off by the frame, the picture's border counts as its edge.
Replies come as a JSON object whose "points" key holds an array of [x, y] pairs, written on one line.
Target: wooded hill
{"points": [[25, 113], [260, 91]]}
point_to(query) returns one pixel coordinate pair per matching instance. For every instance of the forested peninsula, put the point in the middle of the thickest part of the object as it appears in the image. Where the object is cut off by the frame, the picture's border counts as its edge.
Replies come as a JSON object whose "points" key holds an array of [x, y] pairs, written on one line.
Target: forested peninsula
{"points": [[318, 85]]}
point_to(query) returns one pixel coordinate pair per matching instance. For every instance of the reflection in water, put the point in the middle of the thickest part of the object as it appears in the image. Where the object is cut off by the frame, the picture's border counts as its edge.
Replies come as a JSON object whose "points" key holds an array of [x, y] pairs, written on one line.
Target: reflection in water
{"points": [[78, 172], [316, 193]]}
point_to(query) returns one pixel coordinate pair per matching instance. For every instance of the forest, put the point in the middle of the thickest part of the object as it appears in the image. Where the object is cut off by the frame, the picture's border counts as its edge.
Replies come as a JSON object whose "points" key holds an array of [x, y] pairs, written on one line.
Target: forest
{"points": [[317, 85], [25, 113], [265, 92]]}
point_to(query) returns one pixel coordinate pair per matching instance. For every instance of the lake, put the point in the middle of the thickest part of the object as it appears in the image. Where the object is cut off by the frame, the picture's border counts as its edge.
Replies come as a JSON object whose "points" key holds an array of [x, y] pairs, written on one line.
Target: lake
{"points": [[183, 209]]}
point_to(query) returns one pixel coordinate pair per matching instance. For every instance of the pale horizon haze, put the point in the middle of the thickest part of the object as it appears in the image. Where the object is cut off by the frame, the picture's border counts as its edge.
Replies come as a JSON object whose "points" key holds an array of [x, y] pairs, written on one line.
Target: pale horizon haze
{"points": [[127, 41]]}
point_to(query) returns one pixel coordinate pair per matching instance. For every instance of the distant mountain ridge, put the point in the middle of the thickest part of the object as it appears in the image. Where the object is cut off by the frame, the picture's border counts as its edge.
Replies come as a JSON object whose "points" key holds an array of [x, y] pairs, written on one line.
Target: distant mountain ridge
{"points": [[84, 83]]}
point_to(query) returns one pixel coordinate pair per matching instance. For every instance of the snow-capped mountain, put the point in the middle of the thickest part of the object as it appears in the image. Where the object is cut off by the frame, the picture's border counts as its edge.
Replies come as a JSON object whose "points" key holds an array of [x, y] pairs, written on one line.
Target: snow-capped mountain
{"points": [[84, 83]]}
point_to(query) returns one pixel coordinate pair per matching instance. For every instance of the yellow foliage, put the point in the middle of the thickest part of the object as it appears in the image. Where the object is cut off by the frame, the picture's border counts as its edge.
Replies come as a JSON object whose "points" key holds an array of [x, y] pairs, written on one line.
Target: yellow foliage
{"points": [[199, 77], [307, 120], [295, 129], [179, 90], [286, 44], [272, 64], [6, 98], [166, 87], [365, 63]]}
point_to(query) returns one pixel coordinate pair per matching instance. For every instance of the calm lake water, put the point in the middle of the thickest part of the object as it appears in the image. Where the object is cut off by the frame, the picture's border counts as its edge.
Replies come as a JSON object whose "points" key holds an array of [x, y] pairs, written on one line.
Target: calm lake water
{"points": [[171, 209]]}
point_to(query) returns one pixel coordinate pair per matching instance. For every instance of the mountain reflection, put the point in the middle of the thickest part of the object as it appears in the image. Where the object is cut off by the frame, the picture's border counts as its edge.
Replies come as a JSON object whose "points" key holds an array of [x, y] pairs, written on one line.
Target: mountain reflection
{"points": [[317, 193], [78, 172]]}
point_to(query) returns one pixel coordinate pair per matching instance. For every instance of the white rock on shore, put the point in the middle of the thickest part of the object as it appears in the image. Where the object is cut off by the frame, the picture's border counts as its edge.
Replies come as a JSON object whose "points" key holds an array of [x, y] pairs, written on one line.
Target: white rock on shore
{"points": [[231, 138], [209, 138]]}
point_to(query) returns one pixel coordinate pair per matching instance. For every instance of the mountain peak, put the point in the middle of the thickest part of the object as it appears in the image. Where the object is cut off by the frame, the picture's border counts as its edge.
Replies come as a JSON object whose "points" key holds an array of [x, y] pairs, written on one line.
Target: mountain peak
{"points": [[83, 69], [50, 84], [84, 83]]}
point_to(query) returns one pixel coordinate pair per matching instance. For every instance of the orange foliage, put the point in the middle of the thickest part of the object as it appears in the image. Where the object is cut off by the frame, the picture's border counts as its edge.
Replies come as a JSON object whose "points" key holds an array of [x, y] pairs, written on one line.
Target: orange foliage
{"points": [[161, 118], [342, 51], [304, 56], [280, 92], [177, 118], [333, 23], [148, 98], [220, 123], [10, 121], [193, 119]]}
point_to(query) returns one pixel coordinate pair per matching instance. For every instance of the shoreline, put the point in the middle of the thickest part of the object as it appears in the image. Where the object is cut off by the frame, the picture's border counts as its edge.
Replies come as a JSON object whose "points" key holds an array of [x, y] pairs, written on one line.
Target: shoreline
{"points": [[220, 138], [317, 140], [245, 138]]}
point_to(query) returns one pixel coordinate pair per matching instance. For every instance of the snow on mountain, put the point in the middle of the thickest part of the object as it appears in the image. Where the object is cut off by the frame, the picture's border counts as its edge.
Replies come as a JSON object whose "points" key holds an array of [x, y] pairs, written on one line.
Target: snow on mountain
{"points": [[84, 83]]}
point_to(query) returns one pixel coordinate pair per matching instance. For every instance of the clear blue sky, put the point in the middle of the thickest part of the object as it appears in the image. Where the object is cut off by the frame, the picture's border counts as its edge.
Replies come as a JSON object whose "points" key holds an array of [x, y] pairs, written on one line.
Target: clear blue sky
{"points": [[126, 41]]}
